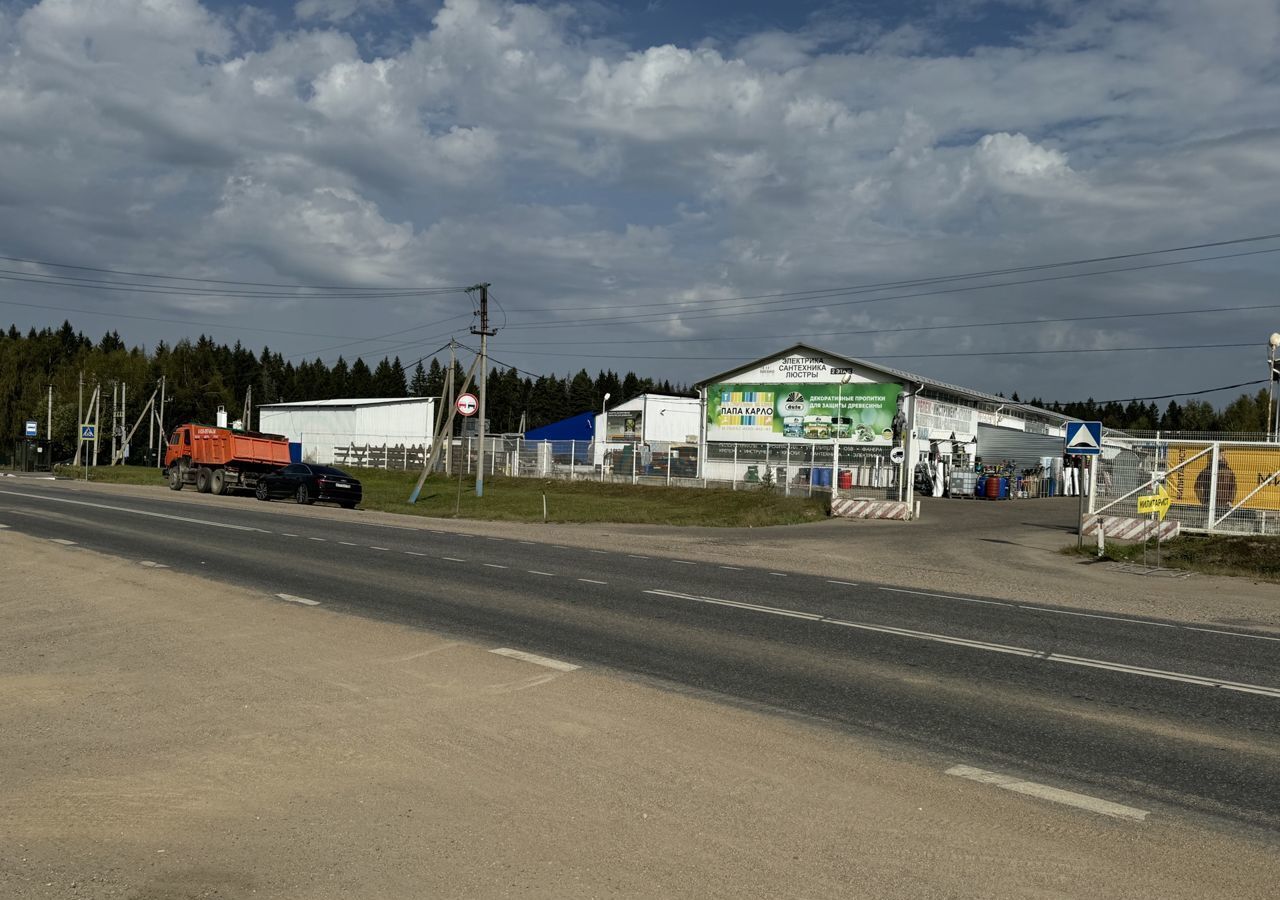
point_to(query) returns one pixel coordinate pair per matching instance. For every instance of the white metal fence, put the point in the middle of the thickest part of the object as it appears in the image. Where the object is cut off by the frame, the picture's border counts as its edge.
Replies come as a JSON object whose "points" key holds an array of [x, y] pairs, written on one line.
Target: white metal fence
{"points": [[1214, 486]]}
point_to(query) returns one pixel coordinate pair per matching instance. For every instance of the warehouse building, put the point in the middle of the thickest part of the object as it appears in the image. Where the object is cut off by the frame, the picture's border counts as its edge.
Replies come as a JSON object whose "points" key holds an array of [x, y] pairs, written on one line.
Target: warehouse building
{"points": [[813, 414], [355, 432]]}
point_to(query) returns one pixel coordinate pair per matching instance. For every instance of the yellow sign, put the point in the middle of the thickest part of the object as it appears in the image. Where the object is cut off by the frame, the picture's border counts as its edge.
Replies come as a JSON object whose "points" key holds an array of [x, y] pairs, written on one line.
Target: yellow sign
{"points": [[1241, 471], [1158, 502]]}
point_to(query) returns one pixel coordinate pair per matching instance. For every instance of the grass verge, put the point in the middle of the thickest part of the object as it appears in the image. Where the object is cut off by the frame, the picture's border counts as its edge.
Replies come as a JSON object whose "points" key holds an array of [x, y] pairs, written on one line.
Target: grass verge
{"points": [[521, 500], [1243, 556]]}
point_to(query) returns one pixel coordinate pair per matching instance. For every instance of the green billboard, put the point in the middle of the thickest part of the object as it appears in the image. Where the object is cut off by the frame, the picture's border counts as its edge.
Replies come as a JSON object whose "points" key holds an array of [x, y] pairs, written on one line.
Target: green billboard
{"points": [[862, 413]]}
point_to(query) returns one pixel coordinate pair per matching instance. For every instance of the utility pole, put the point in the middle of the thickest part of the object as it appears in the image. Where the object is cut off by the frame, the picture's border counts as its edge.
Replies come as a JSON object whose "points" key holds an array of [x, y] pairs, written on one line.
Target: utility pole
{"points": [[48, 434], [484, 331], [80, 421], [97, 419], [160, 438], [448, 448], [248, 408]]}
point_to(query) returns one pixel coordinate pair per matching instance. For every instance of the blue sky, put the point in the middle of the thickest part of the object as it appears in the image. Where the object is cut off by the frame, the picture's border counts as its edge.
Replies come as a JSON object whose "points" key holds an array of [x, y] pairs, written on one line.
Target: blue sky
{"points": [[595, 161]]}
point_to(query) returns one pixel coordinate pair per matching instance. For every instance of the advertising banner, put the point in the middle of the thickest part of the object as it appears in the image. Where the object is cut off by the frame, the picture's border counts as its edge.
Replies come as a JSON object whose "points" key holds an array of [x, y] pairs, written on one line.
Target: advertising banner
{"points": [[1240, 471], [623, 426], [862, 413]]}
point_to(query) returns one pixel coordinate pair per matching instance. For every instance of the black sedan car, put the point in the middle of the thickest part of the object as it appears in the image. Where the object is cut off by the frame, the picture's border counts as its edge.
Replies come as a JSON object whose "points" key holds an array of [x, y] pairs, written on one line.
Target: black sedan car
{"points": [[307, 483]]}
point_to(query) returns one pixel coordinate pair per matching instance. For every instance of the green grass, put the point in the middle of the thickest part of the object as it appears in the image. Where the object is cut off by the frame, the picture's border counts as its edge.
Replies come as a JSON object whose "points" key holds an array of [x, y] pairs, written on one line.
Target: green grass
{"points": [[1244, 556], [520, 499]]}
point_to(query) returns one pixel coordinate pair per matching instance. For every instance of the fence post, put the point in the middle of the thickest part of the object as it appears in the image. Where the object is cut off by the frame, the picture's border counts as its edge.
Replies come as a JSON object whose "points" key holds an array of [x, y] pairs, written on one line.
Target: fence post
{"points": [[604, 458], [786, 481], [469, 445], [835, 469], [1213, 485], [668, 465], [634, 448], [811, 470], [735, 465]]}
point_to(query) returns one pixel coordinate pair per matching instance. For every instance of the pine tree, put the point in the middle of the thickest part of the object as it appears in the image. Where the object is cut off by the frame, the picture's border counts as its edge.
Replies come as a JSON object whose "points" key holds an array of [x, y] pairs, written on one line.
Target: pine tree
{"points": [[418, 384]]}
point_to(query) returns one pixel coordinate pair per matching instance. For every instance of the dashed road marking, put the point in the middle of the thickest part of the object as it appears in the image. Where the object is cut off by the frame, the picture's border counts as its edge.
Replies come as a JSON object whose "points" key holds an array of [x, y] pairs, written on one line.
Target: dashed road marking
{"points": [[731, 568], [453, 559], [530, 543], [136, 512], [287, 534], [845, 583], [592, 581], [3, 526], [1044, 792], [303, 600], [414, 553], [494, 566], [636, 556], [316, 539], [779, 574], [683, 562], [348, 544], [535, 659], [383, 549], [1027, 652], [536, 572], [596, 551], [947, 597], [151, 564], [63, 541]]}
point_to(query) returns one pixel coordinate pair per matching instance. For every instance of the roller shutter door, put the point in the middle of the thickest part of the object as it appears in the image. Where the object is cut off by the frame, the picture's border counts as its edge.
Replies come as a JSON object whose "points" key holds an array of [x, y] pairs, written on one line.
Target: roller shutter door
{"points": [[1023, 447]]}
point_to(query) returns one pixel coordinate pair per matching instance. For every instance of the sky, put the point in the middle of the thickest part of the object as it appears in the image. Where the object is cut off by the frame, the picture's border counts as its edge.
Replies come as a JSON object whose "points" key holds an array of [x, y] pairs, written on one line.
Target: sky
{"points": [[666, 187]]}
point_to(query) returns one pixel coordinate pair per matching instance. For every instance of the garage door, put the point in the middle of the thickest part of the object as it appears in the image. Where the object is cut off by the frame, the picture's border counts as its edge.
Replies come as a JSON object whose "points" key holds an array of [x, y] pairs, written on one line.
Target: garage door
{"points": [[1023, 447]]}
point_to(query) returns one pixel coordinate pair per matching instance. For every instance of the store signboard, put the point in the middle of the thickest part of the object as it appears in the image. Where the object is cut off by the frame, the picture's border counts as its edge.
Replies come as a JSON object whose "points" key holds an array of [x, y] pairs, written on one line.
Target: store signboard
{"points": [[1241, 471], [803, 368], [944, 419], [623, 426], [783, 413]]}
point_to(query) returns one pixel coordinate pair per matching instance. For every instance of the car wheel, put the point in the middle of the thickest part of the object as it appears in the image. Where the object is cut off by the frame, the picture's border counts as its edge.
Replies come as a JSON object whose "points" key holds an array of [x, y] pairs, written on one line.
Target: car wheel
{"points": [[203, 480], [261, 492], [304, 496], [175, 479]]}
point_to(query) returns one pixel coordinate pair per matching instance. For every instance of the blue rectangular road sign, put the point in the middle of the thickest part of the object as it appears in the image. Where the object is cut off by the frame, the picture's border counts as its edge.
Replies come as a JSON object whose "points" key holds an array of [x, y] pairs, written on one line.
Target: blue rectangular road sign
{"points": [[86, 432], [32, 428], [1084, 438]]}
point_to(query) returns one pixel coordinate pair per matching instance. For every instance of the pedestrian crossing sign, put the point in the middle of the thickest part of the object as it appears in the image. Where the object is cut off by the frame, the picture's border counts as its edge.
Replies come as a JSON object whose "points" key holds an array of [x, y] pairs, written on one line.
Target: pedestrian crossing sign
{"points": [[86, 432]]}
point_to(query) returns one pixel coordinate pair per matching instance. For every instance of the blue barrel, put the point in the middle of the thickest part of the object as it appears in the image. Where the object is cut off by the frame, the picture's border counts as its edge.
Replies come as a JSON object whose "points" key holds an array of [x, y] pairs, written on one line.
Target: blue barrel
{"points": [[1004, 488], [981, 489], [821, 477]]}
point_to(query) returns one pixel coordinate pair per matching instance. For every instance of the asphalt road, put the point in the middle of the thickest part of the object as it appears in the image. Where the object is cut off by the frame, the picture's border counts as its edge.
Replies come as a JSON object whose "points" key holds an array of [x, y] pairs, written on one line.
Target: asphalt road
{"points": [[1144, 712]]}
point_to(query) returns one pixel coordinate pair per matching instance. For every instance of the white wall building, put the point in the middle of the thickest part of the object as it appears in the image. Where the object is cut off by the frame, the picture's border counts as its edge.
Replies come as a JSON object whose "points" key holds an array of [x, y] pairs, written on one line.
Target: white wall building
{"points": [[803, 406], [658, 420], [321, 426]]}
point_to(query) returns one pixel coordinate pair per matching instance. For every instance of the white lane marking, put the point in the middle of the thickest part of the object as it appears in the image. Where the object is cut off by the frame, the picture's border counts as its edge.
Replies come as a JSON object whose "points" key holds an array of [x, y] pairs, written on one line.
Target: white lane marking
{"points": [[1044, 792], [732, 568], [4, 526], [636, 556], [535, 659], [1085, 615], [137, 512], [287, 534], [1083, 661], [530, 543], [315, 539], [494, 566], [682, 562], [453, 559], [948, 597], [303, 600], [845, 583], [383, 549], [592, 581], [414, 553], [495, 539], [63, 541], [556, 546], [779, 574], [151, 564], [597, 551], [1256, 637], [348, 544], [536, 572]]}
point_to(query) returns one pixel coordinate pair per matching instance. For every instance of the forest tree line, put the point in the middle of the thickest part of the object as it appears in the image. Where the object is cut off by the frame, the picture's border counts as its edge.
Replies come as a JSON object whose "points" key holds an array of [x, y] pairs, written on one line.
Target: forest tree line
{"points": [[201, 375]]}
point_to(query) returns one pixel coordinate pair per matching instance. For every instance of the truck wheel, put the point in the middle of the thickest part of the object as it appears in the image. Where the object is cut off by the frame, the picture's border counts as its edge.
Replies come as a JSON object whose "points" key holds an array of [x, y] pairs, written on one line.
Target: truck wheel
{"points": [[175, 479], [304, 495], [218, 482], [203, 479]]}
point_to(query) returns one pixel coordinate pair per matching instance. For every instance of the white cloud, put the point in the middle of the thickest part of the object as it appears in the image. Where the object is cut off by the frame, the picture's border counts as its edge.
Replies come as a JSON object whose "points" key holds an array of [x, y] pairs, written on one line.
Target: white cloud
{"points": [[519, 144]]}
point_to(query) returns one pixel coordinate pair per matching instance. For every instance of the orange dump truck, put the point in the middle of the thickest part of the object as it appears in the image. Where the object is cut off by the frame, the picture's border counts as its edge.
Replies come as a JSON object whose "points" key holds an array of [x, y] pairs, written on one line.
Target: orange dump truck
{"points": [[217, 460]]}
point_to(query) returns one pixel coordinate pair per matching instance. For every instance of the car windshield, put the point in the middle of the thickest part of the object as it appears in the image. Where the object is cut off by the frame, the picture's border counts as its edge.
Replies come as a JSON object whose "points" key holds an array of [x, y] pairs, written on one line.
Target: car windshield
{"points": [[330, 471]]}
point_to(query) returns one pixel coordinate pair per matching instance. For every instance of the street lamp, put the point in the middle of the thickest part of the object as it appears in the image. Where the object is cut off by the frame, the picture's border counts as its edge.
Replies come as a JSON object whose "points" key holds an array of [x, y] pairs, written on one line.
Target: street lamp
{"points": [[603, 431], [1273, 374]]}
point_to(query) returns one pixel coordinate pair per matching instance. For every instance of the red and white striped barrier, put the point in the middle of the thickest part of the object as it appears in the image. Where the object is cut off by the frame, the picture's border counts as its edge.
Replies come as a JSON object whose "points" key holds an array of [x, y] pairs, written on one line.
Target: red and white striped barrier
{"points": [[1127, 528], [871, 509]]}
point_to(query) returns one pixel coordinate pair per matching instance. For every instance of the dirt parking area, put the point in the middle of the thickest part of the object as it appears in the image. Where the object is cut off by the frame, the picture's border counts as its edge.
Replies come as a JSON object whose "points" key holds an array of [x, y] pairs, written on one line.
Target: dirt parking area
{"points": [[164, 736]]}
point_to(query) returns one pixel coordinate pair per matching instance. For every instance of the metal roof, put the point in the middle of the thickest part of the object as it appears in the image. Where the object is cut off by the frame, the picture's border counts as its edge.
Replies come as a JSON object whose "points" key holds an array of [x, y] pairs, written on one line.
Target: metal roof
{"points": [[898, 374], [353, 401]]}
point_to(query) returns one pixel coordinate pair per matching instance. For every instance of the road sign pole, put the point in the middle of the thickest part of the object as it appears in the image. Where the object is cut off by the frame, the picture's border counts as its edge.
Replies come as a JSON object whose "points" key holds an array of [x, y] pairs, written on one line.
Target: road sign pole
{"points": [[1080, 491]]}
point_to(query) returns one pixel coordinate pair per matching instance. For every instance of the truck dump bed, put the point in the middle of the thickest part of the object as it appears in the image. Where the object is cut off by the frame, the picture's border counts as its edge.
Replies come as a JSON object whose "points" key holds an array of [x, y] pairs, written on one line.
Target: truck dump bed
{"points": [[213, 446]]}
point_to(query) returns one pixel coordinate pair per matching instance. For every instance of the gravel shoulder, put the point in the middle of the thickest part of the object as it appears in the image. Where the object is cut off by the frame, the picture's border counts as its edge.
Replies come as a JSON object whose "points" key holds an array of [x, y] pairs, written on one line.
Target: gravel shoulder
{"points": [[166, 736]]}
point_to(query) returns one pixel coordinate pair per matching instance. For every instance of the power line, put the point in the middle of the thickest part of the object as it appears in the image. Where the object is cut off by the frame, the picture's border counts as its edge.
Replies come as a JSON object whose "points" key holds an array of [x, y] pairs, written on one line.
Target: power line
{"points": [[136, 288], [990, 273], [310, 287], [648, 318], [1225, 387], [930, 355], [381, 337], [901, 330]]}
